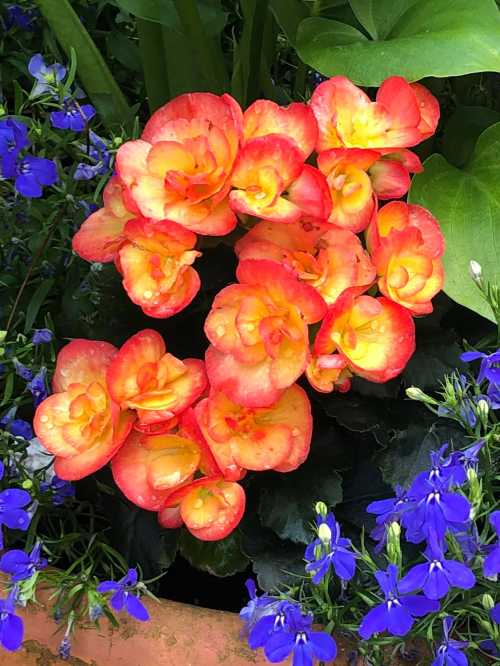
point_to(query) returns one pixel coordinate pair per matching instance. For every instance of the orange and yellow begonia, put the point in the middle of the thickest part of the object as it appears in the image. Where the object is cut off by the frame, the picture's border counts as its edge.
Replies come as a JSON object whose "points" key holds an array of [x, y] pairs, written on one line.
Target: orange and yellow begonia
{"points": [[304, 180], [79, 423]]}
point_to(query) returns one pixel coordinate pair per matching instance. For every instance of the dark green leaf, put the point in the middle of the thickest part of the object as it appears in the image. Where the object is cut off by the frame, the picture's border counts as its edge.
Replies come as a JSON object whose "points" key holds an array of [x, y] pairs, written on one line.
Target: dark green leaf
{"points": [[219, 558], [433, 359], [93, 72], [378, 16], [431, 38], [124, 50], [36, 303], [152, 50], [467, 204], [463, 130], [289, 14]]}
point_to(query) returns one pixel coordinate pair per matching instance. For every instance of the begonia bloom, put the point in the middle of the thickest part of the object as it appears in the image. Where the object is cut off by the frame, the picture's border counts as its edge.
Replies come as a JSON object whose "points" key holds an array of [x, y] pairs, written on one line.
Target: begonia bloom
{"points": [[329, 372], [296, 121], [258, 330], [375, 335], [144, 377], [79, 423], [403, 114], [209, 507], [155, 261], [100, 236], [407, 274], [180, 167], [275, 437], [327, 258], [397, 216]]}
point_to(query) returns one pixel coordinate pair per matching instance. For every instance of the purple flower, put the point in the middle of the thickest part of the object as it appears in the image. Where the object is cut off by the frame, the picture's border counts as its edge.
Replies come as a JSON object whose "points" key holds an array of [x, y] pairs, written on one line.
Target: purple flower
{"points": [[490, 365], [11, 625], [34, 173], [19, 565], [95, 612], [72, 116], [495, 613], [491, 565], [20, 428], [13, 138], [37, 387], [397, 613], [493, 393], [47, 76], [42, 336], [490, 647], [278, 620], [257, 606], [65, 648], [437, 575], [62, 490], [330, 550], [123, 597], [11, 512], [22, 371], [388, 511], [437, 509], [450, 651], [468, 542], [299, 639], [97, 150], [468, 458], [19, 17], [444, 470]]}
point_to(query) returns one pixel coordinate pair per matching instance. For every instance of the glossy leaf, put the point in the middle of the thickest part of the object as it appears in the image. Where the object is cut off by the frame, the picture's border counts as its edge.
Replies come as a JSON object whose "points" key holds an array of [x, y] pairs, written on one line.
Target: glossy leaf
{"points": [[467, 204], [219, 558], [431, 38], [93, 72]]}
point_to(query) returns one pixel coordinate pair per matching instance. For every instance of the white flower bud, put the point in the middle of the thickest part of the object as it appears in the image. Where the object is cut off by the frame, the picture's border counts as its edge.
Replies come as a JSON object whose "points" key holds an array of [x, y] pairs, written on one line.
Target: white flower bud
{"points": [[487, 601], [321, 509], [324, 533], [475, 270], [482, 409], [414, 393]]}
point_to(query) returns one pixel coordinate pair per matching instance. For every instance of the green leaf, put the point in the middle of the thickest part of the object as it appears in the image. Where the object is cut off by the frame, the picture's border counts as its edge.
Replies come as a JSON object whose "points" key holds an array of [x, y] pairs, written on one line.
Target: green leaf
{"points": [[408, 452], [36, 303], [219, 558], [163, 12], [155, 68], [289, 14], [433, 359], [430, 38], [462, 131], [467, 204], [93, 72], [378, 16]]}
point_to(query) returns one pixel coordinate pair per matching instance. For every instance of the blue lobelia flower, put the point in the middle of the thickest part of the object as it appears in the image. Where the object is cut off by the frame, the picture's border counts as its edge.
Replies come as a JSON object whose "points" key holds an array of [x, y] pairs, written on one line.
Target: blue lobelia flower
{"points": [[98, 152], [490, 365], [397, 613], [450, 652], [37, 387], [257, 606], [12, 513], [298, 639], [11, 625], [22, 371], [437, 509], [388, 511], [13, 138], [72, 116], [20, 565], [495, 613], [468, 541], [33, 174], [278, 620], [16, 16], [493, 394], [330, 550], [20, 428], [42, 336], [444, 469], [491, 564], [468, 458], [47, 76], [437, 575], [62, 490], [65, 648], [123, 596]]}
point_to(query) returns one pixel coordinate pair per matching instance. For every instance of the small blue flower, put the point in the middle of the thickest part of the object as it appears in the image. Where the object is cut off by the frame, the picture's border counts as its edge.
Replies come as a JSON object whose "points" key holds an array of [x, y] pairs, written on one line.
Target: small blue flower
{"points": [[13, 138], [490, 365], [396, 614], [436, 576], [98, 152], [330, 550], [495, 613], [20, 428], [19, 17], [22, 371], [299, 640], [73, 116], [491, 565], [257, 606], [123, 596], [20, 566], [62, 490], [42, 336], [450, 651], [37, 387], [47, 76], [95, 612], [278, 620], [33, 174], [12, 513], [388, 511], [65, 648], [11, 625]]}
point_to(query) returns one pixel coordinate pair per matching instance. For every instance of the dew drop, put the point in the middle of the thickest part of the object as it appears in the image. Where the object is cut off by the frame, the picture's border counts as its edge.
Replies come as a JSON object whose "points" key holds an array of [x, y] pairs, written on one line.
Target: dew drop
{"points": [[44, 418], [148, 294], [295, 432], [220, 330], [198, 504]]}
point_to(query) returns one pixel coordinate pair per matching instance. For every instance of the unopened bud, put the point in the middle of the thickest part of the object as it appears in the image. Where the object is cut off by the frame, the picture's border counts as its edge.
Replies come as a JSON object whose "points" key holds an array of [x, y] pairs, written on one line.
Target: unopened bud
{"points": [[393, 543], [475, 270], [3, 335], [324, 534], [475, 492], [395, 529], [414, 393], [487, 601], [27, 484], [321, 509], [483, 409]]}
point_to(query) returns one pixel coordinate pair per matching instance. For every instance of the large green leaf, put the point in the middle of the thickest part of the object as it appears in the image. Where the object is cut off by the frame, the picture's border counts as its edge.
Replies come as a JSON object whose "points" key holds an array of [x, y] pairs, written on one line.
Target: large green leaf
{"points": [[93, 72], [467, 204], [219, 558], [430, 38], [164, 12]]}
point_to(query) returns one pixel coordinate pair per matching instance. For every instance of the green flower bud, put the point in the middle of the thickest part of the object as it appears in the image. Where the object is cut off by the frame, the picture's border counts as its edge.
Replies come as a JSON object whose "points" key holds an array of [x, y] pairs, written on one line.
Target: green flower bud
{"points": [[482, 410], [321, 509], [487, 601], [414, 393], [394, 543], [27, 484]]}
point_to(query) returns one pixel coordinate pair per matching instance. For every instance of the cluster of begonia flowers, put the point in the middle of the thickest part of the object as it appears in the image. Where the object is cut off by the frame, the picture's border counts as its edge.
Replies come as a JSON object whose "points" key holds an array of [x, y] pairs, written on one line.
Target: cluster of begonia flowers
{"points": [[181, 434]]}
